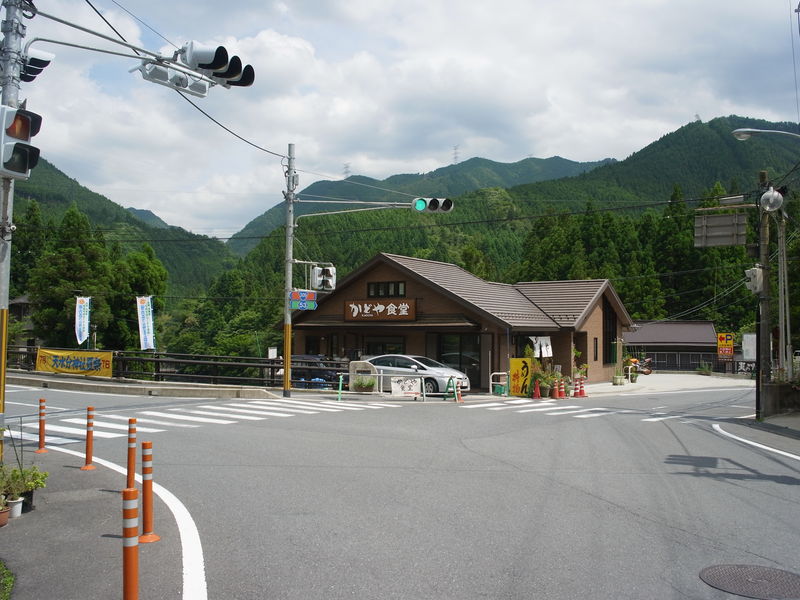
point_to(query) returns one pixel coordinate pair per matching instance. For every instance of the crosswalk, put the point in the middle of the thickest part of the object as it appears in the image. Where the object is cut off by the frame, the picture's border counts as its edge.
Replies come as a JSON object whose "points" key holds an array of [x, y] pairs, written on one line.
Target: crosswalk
{"points": [[555, 408], [72, 430]]}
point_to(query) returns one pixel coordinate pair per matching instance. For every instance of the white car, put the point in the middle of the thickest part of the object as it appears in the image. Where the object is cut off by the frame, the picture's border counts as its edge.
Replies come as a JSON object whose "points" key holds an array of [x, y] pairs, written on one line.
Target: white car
{"points": [[436, 375]]}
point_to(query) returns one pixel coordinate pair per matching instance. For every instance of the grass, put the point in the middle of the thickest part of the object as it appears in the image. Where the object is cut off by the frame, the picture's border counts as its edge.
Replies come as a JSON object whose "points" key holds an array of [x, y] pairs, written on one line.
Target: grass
{"points": [[6, 582]]}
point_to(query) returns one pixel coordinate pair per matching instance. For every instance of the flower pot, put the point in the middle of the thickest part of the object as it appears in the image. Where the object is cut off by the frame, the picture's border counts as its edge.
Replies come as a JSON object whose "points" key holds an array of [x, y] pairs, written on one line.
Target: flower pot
{"points": [[618, 379], [27, 501], [16, 508], [544, 390], [4, 512]]}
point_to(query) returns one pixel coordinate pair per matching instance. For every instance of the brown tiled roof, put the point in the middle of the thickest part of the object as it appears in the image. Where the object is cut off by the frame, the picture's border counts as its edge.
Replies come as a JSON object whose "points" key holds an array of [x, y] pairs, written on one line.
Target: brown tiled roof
{"points": [[672, 333]]}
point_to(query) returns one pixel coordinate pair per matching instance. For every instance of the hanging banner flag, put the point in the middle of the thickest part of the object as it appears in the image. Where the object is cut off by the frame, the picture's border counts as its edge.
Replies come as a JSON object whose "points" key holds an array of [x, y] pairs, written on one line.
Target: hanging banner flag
{"points": [[83, 306], [147, 335]]}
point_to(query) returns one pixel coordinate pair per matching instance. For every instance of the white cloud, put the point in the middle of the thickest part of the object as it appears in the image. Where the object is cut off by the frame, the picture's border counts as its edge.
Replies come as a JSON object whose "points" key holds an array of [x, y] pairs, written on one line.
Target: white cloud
{"points": [[391, 87]]}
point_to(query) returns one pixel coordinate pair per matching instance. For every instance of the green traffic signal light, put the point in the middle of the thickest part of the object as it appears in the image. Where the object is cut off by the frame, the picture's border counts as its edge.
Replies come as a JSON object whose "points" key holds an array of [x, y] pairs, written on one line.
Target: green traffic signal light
{"points": [[420, 204], [437, 205]]}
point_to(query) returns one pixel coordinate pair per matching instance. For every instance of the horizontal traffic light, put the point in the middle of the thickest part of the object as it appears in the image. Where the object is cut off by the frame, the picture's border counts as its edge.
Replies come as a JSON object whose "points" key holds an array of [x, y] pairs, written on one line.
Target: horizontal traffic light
{"points": [[439, 205], [18, 156], [215, 62]]}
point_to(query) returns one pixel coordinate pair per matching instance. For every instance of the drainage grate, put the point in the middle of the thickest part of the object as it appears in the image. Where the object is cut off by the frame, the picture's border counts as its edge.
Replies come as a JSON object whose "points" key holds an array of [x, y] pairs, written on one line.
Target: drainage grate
{"points": [[752, 581]]}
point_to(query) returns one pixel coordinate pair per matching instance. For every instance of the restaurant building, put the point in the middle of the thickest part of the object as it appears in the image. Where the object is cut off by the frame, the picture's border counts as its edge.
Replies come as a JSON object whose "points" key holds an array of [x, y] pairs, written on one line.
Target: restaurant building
{"points": [[402, 305]]}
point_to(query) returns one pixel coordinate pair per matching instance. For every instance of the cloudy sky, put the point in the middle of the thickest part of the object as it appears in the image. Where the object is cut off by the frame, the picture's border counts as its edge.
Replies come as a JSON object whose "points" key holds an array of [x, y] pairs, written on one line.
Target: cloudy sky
{"points": [[392, 86]]}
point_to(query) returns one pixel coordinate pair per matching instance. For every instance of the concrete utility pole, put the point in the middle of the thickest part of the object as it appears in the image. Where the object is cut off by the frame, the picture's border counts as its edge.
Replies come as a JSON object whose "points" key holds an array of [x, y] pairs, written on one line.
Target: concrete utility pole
{"points": [[11, 61], [291, 186]]}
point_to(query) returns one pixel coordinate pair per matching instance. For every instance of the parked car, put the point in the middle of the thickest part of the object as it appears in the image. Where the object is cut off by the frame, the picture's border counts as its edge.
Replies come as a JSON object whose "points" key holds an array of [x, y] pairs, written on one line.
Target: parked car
{"points": [[312, 366], [436, 375]]}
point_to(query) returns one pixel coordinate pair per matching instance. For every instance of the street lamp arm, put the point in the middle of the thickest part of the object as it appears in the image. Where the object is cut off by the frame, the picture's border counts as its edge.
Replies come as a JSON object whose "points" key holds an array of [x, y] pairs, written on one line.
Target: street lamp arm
{"points": [[745, 133]]}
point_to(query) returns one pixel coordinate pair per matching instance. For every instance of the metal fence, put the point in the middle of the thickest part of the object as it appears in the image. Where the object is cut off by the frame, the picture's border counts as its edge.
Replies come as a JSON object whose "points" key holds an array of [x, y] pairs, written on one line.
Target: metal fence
{"points": [[692, 361], [198, 368]]}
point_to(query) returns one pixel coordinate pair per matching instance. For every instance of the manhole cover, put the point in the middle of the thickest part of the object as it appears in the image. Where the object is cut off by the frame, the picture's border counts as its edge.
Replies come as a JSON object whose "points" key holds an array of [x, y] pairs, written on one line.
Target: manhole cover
{"points": [[752, 581]]}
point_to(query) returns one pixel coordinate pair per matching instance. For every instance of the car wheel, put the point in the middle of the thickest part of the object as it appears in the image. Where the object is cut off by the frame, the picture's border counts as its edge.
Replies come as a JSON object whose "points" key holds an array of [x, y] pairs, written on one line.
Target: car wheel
{"points": [[430, 386]]}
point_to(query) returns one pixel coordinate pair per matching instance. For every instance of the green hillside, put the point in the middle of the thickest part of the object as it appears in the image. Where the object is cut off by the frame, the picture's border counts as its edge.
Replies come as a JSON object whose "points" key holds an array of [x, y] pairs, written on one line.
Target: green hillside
{"points": [[191, 260], [630, 221], [453, 180]]}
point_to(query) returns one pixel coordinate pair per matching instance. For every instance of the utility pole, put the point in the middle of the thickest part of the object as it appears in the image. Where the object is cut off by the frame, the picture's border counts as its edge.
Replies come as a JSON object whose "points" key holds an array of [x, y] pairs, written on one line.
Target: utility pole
{"points": [[291, 185], [10, 59]]}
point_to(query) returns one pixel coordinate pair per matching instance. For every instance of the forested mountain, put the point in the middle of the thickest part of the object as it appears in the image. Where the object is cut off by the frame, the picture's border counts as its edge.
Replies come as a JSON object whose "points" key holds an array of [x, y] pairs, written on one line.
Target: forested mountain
{"points": [[453, 180], [630, 221], [191, 260]]}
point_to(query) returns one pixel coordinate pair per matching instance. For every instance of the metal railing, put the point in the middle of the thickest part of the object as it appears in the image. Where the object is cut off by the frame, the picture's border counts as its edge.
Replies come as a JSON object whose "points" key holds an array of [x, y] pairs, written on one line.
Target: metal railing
{"points": [[199, 368]]}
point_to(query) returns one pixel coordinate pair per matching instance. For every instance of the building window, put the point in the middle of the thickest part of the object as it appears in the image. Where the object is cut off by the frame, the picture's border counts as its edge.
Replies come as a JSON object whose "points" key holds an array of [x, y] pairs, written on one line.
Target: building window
{"points": [[386, 289], [595, 350]]}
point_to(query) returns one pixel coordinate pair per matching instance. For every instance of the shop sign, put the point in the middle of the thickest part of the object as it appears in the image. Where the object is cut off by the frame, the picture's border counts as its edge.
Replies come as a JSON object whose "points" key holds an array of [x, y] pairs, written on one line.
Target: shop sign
{"points": [[725, 346], [377, 309], [520, 377]]}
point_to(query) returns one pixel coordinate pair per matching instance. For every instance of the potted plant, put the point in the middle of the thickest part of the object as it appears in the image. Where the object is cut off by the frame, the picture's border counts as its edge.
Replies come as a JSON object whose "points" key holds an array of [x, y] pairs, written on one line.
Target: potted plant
{"points": [[364, 384], [26, 479], [13, 487], [618, 378]]}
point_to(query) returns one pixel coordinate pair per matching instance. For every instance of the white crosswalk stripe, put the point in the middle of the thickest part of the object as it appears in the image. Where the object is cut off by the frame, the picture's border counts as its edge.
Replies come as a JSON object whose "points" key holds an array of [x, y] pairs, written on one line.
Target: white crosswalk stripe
{"points": [[189, 416]]}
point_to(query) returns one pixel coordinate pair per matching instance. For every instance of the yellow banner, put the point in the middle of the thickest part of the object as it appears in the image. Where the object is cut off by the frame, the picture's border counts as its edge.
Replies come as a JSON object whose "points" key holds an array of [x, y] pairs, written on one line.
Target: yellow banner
{"points": [[520, 377], [74, 361]]}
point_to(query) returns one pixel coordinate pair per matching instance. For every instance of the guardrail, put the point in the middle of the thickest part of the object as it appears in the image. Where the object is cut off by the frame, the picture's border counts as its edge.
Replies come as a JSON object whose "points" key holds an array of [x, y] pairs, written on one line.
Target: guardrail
{"points": [[199, 368]]}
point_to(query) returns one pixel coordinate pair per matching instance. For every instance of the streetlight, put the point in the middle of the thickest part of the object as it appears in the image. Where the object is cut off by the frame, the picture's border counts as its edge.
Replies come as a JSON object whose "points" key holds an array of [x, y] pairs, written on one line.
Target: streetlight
{"points": [[771, 202]]}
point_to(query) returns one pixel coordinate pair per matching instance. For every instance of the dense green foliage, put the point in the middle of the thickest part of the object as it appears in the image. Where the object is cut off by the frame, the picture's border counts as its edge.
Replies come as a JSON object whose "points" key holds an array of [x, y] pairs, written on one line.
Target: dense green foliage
{"points": [[631, 222], [76, 261]]}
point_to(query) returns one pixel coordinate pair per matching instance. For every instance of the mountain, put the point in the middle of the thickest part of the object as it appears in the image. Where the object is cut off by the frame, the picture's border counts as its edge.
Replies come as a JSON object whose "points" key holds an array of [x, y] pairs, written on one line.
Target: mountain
{"points": [[149, 217], [191, 260], [453, 180]]}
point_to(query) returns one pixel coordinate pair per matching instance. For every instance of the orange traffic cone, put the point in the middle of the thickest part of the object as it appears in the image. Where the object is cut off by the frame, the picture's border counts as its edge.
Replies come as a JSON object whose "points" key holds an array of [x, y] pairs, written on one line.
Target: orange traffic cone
{"points": [[537, 394], [458, 392]]}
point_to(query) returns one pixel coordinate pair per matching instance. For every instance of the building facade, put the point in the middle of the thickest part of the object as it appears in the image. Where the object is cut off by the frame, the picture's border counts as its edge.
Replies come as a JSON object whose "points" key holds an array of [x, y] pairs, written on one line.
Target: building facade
{"points": [[404, 305]]}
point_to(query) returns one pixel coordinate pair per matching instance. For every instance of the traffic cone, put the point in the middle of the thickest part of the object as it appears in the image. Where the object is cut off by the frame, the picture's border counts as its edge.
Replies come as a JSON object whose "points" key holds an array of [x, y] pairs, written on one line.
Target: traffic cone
{"points": [[581, 389], [561, 393], [458, 392], [537, 394]]}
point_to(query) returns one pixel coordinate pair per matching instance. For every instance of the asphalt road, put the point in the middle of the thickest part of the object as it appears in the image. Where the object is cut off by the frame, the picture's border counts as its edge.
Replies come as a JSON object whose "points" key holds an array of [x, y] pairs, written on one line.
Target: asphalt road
{"points": [[604, 497]]}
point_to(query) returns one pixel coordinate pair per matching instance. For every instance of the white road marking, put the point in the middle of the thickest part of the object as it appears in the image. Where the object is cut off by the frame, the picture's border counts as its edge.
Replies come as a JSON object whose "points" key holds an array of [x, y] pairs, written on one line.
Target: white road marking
{"points": [[48, 439], [572, 412], [74, 430], [757, 445], [194, 572], [484, 405], [543, 408], [150, 421], [36, 405], [298, 403], [213, 414], [383, 405], [261, 408], [654, 419], [111, 425], [154, 413]]}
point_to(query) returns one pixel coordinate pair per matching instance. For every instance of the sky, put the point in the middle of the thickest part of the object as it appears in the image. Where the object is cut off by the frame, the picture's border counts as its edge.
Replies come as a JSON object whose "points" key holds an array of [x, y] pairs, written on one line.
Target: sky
{"points": [[381, 87]]}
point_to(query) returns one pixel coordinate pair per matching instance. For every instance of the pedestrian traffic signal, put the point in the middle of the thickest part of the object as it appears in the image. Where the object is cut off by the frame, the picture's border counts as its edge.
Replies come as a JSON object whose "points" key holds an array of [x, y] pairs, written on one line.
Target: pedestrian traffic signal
{"points": [[214, 62], [323, 278], [755, 279], [18, 156], [172, 78], [438, 205], [34, 63]]}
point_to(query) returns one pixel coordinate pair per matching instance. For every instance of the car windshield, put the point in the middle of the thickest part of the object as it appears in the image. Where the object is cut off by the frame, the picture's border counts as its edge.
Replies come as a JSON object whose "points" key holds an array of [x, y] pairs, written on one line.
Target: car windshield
{"points": [[428, 362]]}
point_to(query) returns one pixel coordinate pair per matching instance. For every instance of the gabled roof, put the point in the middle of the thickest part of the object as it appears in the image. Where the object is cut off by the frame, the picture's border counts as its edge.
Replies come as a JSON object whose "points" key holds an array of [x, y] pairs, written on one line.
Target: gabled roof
{"points": [[672, 333], [568, 303], [501, 302]]}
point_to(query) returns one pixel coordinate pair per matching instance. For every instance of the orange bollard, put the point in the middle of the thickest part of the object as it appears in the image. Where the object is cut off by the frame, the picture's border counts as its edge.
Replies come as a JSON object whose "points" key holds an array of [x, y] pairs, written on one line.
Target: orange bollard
{"points": [[537, 393], [582, 390], [131, 453], [130, 544], [458, 392], [88, 466], [147, 495], [42, 411]]}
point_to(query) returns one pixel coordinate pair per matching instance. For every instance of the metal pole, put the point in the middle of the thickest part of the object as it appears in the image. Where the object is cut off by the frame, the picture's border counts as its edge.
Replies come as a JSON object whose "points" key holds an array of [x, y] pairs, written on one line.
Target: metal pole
{"points": [[11, 63], [764, 333], [783, 296], [291, 184]]}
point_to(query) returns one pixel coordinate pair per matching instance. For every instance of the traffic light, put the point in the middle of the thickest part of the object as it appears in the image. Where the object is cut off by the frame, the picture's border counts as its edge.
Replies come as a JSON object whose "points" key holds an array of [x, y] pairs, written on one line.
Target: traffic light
{"points": [[19, 157], [34, 63], [437, 205], [323, 278], [328, 278], [755, 279], [172, 78], [214, 62]]}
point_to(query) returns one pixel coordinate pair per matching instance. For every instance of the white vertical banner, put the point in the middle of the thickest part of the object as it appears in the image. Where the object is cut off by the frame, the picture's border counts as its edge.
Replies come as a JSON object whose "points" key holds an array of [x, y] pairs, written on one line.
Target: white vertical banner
{"points": [[147, 335], [83, 306]]}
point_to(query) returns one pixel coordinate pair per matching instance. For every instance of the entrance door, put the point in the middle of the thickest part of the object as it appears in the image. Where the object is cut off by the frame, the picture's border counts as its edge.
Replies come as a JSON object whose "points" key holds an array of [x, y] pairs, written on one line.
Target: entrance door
{"points": [[462, 352]]}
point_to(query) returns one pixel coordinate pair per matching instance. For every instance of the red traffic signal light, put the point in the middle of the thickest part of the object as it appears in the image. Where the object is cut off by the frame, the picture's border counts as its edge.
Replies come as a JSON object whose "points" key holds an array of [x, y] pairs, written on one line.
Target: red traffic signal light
{"points": [[18, 157]]}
